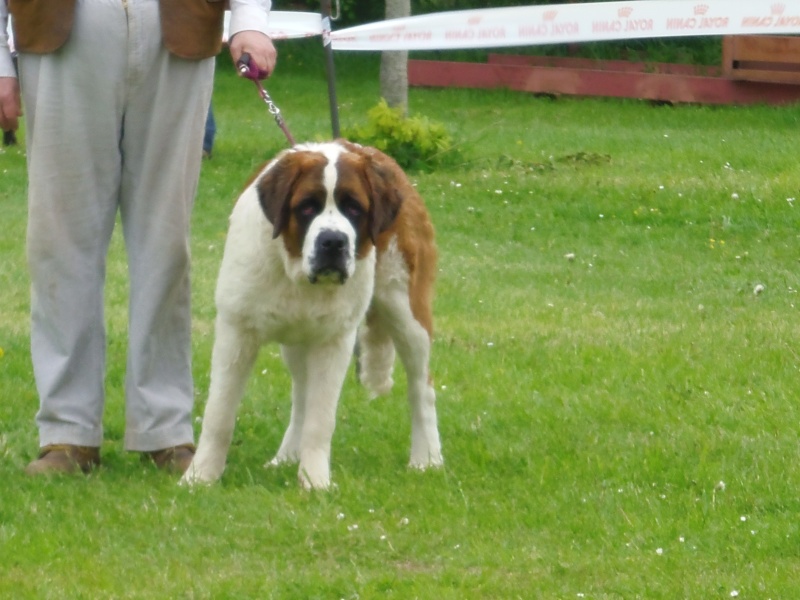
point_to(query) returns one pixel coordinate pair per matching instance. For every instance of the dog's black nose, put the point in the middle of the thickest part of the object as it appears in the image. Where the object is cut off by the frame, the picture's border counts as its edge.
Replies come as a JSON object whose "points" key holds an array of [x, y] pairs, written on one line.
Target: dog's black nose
{"points": [[332, 242], [331, 257]]}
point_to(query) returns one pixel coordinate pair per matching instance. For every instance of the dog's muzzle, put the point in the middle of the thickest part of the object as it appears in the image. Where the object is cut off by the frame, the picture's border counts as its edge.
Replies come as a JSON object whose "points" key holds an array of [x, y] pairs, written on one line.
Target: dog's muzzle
{"points": [[331, 257]]}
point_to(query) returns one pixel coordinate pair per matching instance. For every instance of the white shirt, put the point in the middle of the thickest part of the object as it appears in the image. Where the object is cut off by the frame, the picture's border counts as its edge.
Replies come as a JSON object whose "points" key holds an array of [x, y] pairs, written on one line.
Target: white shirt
{"points": [[246, 15], [6, 66]]}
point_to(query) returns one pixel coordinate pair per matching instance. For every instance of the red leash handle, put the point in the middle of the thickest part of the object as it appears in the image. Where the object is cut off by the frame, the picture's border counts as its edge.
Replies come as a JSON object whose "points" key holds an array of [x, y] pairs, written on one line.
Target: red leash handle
{"points": [[249, 69]]}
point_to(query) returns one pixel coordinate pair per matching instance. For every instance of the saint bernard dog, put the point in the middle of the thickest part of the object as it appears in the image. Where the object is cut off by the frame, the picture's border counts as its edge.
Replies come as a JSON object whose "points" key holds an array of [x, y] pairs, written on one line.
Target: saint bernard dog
{"points": [[329, 243]]}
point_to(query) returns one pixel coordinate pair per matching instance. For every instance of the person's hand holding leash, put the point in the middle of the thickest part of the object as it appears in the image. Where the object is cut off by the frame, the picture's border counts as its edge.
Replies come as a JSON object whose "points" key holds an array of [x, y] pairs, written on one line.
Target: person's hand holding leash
{"points": [[260, 49], [10, 105]]}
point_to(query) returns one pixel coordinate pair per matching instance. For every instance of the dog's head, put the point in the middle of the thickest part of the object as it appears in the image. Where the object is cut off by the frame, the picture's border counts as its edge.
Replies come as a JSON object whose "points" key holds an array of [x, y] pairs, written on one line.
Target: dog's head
{"points": [[329, 202]]}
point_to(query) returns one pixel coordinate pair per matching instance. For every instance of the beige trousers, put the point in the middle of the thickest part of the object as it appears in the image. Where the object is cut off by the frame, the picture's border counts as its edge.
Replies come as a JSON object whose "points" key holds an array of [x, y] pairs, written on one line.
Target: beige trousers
{"points": [[114, 126]]}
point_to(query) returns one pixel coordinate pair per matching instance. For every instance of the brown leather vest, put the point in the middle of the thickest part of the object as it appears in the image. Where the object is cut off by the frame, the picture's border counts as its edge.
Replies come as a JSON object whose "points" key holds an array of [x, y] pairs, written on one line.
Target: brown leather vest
{"points": [[190, 28]]}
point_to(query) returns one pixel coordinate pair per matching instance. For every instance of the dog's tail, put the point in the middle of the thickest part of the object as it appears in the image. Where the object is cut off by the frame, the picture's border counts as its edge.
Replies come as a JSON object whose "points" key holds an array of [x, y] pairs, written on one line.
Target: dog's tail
{"points": [[375, 353]]}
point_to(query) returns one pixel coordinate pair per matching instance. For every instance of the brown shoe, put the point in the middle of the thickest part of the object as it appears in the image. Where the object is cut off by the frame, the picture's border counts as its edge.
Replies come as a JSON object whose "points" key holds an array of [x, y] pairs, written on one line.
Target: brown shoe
{"points": [[64, 458], [174, 460]]}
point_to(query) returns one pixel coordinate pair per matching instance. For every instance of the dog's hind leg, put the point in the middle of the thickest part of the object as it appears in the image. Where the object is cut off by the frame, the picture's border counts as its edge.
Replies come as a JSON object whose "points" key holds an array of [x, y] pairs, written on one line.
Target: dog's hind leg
{"points": [[413, 343], [414, 347], [231, 362], [376, 357]]}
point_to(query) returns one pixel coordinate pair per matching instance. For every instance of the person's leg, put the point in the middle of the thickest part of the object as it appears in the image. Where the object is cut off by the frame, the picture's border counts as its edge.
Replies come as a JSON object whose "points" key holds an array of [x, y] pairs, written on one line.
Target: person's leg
{"points": [[73, 114], [166, 107]]}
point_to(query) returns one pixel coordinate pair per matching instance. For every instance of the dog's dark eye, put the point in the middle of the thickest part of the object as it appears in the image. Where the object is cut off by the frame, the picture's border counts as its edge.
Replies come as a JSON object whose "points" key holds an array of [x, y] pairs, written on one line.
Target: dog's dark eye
{"points": [[309, 207], [351, 208]]}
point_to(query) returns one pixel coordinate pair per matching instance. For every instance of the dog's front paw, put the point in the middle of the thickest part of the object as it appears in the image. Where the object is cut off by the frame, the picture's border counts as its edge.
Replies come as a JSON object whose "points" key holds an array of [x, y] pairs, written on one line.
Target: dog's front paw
{"points": [[315, 472], [428, 460], [199, 473]]}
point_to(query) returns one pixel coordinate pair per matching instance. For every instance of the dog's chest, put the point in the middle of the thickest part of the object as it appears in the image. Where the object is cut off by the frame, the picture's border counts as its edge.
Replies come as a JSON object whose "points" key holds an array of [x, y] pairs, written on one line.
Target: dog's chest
{"points": [[292, 314]]}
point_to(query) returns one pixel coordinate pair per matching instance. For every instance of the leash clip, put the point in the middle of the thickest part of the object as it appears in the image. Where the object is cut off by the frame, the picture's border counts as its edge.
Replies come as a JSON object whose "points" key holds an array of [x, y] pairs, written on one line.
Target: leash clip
{"points": [[249, 70]]}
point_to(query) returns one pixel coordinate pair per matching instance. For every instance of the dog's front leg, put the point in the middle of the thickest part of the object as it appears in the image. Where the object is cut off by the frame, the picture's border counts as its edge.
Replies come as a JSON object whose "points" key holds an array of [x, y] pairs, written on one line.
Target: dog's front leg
{"points": [[296, 359], [231, 362], [326, 367]]}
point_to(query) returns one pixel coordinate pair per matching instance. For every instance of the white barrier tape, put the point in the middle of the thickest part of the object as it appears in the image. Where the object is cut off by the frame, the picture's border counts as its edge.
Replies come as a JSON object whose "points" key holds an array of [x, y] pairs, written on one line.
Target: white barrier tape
{"points": [[563, 23], [284, 25], [547, 24]]}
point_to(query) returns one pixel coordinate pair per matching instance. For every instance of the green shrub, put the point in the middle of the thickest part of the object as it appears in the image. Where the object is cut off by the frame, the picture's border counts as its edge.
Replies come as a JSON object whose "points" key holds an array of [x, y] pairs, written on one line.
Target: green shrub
{"points": [[414, 142]]}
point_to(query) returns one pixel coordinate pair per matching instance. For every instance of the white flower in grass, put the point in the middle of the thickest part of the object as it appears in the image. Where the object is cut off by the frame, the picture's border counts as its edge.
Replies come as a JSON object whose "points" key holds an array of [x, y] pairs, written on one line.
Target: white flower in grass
{"points": [[404, 521], [720, 487], [660, 551], [734, 593], [353, 527], [340, 516], [758, 289]]}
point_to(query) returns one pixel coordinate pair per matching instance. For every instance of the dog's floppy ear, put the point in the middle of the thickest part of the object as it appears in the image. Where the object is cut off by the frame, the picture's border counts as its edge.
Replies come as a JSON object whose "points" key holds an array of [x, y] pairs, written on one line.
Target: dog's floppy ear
{"points": [[275, 192], [386, 181]]}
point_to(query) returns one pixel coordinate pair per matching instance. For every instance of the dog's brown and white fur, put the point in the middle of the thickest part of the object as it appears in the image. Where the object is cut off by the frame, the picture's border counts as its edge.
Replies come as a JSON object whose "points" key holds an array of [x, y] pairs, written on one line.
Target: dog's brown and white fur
{"points": [[326, 238]]}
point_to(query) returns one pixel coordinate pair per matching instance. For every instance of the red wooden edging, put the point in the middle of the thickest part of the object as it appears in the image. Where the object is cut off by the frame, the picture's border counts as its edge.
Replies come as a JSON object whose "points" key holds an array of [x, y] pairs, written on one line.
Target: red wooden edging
{"points": [[617, 79], [624, 66]]}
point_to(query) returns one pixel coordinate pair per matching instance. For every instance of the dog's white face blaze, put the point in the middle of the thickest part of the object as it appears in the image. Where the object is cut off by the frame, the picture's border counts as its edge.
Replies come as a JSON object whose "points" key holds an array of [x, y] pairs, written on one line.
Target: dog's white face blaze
{"points": [[330, 220]]}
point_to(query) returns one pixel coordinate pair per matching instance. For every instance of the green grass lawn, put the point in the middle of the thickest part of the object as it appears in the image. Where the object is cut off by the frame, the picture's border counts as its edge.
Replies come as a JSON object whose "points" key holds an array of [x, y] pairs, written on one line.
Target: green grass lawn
{"points": [[618, 407]]}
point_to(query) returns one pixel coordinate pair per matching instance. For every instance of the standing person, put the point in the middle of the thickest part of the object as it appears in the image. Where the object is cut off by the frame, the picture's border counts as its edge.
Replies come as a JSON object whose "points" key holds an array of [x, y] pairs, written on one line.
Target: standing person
{"points": [[116, 94]]}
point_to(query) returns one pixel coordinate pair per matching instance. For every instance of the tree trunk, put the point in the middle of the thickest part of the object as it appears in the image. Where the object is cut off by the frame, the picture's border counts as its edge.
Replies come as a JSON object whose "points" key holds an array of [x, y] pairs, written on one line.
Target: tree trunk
{"points": [[394, 64]]}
